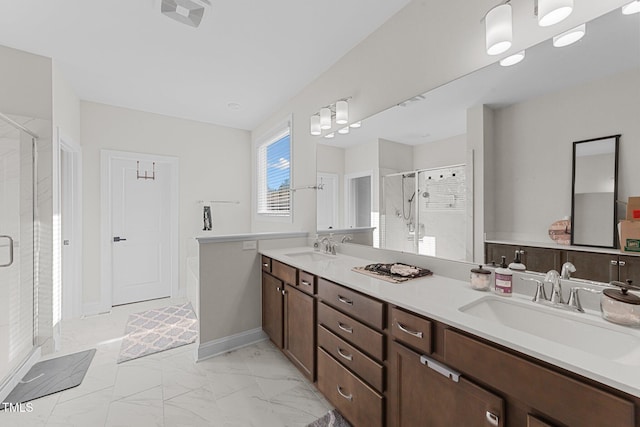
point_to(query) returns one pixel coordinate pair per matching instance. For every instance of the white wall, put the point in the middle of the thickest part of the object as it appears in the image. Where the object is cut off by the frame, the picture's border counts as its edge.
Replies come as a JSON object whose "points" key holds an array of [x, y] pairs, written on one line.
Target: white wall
{"points": [[445, 152], [534, 143], [66, 107], [404, 57], [331, 160], [214, 165]]}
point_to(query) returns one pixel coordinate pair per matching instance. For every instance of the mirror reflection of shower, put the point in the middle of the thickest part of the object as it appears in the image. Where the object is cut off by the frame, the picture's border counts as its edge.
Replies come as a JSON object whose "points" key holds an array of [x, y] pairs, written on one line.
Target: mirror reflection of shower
{"points": [[424, 208]]}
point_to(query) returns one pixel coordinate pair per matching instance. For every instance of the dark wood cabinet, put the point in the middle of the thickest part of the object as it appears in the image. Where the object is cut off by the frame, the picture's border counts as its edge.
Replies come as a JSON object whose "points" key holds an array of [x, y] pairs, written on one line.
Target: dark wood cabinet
{"points": [[299, 330], [420, 396], [536, 259], [272, 308], [629, 268], [289, 314], [593, 266]]}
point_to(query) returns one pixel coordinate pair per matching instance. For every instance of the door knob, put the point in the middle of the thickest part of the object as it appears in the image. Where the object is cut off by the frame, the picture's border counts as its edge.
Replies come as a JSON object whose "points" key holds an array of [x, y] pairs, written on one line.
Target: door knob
{"points": [[118, 239]]}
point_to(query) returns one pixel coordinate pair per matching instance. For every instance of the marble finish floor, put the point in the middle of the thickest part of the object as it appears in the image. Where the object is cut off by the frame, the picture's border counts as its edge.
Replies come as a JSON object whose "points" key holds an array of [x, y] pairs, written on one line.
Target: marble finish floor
{"points": [[252, 386]]}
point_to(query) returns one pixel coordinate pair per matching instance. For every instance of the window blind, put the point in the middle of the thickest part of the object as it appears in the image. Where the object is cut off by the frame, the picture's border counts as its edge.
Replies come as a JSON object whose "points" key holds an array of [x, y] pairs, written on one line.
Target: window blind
{"points": [[274, 175]]}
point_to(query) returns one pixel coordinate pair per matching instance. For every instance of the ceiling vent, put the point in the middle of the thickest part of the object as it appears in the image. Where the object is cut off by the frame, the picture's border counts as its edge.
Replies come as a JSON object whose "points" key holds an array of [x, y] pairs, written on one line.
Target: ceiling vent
{"points": [[188, 12]]}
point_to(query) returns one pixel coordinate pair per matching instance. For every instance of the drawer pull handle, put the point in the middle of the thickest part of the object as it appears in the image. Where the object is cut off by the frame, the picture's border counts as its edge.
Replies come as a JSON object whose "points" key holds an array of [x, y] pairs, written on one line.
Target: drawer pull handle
{"points": [[278, 289], [345, 328], [622, 263], [346, 396], [304, 282], [440, 368], [407, 331], [344, 300], [348, 357], [493, 419], [265, 265]]}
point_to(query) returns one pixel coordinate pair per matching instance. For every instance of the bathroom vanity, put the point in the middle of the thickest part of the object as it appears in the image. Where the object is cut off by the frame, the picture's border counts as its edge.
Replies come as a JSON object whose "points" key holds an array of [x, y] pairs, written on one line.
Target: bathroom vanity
{"points": [[430, 351]]}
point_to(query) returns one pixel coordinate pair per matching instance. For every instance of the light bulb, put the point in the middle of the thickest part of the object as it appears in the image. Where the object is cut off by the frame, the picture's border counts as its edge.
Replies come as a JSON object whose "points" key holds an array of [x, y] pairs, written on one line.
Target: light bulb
{"points": [[631, 8], [570, 37], [553, 11], [315, 125], [330, 135], [344, 130], [513, 59], [356, 124]]}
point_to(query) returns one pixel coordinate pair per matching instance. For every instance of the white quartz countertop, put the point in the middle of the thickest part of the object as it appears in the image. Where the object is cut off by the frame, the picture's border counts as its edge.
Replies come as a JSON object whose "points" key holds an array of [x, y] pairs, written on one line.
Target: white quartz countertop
{"points": [[440, 298]]}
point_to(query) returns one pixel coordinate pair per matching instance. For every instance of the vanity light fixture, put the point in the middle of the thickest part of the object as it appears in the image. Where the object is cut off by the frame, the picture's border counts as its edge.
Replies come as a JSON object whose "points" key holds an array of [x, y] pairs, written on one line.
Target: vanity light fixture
{"points": [[631, 8], [342, 112], [330, 135], [499, 29], [323, 119], [343, 130], [315, 125], [356, 125], [569, 37], [513, 59], [551, 12]]}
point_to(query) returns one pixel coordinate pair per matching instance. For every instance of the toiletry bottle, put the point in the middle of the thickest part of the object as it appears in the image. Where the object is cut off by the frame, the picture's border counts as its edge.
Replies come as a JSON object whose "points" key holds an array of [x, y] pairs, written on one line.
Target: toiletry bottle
{"points": [[316, 243], [517, 264], [504, 278]]}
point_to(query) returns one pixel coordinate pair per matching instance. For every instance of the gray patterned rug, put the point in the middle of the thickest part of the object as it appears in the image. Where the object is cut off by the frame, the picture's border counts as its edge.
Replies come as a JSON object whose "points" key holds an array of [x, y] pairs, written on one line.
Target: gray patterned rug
{"points": [[331, 419], [157, 330]]}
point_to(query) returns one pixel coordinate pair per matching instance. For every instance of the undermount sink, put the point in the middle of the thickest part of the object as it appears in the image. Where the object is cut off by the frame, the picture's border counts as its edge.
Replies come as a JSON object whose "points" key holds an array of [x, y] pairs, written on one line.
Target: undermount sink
{"points": [[560, 327], [311, 256]]}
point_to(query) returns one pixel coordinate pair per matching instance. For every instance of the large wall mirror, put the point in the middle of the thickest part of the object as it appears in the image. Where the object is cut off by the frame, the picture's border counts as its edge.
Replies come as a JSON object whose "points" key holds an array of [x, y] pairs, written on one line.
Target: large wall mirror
{"points": [[537, 109], [595, 192]]}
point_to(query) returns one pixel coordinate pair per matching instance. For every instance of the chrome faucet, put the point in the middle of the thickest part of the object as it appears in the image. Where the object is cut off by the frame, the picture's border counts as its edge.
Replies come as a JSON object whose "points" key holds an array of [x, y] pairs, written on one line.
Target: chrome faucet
{"points": [[346, 238], [567, 269], [553, 277], [328, 245]]}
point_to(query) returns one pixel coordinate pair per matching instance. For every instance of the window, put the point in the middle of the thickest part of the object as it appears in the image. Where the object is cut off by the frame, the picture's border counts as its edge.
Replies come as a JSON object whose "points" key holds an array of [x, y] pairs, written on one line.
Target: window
{"points": [[274, 175]]}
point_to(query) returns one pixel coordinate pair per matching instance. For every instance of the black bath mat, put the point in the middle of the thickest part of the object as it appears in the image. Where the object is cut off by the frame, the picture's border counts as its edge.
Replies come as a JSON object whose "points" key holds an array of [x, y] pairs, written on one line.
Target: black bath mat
{"points": [[331, 419], [52, 376]]}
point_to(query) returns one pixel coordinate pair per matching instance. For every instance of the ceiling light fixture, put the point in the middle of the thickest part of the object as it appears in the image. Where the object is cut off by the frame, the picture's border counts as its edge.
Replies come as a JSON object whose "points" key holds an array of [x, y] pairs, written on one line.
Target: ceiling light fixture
{"points": [[315, 125], [188, 12], [513, 59], [344, 130], [342, 112], [570, 37], [325, 118], [356, 125], [551, 12], [330, 135], [322, 120], [499, 29], [631, 8]]}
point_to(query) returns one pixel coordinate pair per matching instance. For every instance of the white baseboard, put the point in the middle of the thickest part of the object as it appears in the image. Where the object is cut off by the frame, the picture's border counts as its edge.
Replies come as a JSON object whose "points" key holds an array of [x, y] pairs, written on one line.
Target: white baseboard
{"points": [[91, 309], [18, 374], [232, 342]]}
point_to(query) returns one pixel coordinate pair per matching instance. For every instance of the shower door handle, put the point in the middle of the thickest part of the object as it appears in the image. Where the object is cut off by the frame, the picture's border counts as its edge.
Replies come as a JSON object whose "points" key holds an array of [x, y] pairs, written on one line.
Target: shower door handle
{"points": [[4, 236]]}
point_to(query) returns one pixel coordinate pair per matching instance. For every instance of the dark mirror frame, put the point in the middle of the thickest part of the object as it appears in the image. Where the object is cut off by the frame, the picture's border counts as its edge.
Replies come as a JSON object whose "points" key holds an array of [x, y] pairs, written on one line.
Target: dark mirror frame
{"points": [[614, 228]]}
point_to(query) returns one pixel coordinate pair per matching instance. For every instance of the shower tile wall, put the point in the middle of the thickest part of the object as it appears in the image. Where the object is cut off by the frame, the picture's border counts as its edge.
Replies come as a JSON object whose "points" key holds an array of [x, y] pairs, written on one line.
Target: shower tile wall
{"points": [[395, 228]]}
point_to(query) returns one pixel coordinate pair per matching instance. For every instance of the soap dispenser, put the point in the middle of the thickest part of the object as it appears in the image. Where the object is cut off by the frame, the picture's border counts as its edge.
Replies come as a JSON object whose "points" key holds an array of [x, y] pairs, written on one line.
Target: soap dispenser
{"points": [[517, 264], [316, 243], [504, 279]]}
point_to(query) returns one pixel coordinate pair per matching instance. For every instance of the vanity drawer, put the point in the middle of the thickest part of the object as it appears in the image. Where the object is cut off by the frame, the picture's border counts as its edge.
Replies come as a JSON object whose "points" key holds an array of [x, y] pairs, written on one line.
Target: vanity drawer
{"points": [[359, 403], [354, 332], [365, 367], [355, 304], [306, 282], [266, 264], [563, 399], [411, 329], [283, 272]]}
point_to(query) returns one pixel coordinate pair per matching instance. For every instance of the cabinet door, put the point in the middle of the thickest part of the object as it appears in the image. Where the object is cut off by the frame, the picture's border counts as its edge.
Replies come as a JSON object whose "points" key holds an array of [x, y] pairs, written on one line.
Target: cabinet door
{"points": [[629, 267], [420, 396], [300, 319], [594, 266], [495, 251], [272, 308], [541, 259]]}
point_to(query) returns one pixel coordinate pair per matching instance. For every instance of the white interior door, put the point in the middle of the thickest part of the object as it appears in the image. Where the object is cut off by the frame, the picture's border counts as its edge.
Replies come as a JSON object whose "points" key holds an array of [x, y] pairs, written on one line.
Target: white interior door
{"points": [[141, 232], [327, 201]]}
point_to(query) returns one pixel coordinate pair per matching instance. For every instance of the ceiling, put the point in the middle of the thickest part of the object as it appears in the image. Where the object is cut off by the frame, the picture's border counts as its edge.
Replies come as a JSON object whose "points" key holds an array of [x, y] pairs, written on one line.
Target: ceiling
{"points": [[611, 45], [255, 54]]}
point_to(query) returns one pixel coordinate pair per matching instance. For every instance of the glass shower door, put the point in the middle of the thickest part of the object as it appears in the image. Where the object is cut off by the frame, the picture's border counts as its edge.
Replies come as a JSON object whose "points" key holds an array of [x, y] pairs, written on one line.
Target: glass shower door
{"points": [[16, 248]]}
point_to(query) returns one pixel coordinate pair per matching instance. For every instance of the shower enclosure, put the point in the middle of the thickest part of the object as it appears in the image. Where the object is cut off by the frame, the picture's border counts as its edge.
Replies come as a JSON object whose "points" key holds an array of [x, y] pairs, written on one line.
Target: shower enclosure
{"points": [[17, 248], [425, 212]]}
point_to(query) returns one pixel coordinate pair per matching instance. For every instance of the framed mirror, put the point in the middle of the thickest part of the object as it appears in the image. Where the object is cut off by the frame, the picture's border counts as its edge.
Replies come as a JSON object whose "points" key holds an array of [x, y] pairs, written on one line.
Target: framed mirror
{"points": [[594, 192]]}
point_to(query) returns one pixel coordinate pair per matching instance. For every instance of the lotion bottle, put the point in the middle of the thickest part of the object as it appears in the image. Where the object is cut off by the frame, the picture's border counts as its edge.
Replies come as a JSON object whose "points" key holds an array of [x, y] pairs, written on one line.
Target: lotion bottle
{"points": [[504, 279]]}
